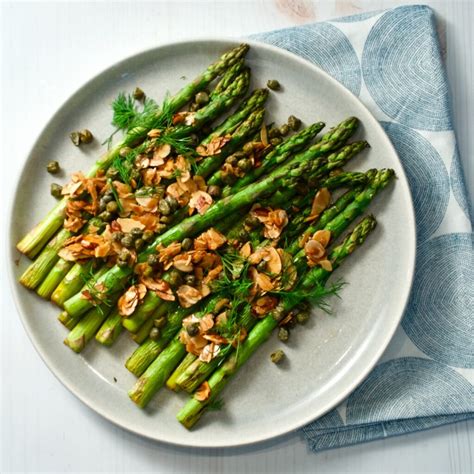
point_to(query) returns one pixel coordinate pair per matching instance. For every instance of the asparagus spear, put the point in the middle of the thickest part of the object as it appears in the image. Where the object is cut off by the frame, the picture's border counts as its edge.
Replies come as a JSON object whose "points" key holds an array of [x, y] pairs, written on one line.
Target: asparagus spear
{"points": [[34, 241], [329, 142], [194, 409], [297, 168], [71, 283], [281, 153], [110, 329], [255, 101]]}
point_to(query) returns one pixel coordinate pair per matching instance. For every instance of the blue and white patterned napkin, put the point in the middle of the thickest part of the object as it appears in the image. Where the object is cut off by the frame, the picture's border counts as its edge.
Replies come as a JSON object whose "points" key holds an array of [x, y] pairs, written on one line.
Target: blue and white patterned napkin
{"points": [[392, 61]]}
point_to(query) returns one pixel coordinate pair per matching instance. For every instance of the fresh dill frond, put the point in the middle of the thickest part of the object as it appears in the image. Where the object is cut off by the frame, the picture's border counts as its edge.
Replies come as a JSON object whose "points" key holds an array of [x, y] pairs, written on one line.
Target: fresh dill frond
{"points": [[317, 296], [90, 283], [115, 194], [125, 111]]}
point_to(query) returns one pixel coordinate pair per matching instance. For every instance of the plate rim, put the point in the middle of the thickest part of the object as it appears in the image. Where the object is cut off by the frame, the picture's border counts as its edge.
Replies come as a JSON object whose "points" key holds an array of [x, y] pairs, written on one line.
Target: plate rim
{"points": [[12, 253]]}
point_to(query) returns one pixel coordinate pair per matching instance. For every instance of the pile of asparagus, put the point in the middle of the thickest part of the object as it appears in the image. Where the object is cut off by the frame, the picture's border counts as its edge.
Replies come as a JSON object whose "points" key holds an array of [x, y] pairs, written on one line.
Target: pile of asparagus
{"points": [[260, 212]]}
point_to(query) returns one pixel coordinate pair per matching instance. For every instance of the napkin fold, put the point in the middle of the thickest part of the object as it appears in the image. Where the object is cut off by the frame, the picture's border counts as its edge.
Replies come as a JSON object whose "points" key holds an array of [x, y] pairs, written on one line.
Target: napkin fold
{"points": [[392, 61]]}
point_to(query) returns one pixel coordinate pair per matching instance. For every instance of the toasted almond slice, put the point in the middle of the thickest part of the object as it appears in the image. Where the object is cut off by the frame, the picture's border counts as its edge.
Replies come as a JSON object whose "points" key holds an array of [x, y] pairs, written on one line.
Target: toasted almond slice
{"points": [[320, 202], [201, 201], [326, 264], [322, 236], [209, 352], [127, 224], [246, 250], [154, 133], [314, 249], [203, 392]]}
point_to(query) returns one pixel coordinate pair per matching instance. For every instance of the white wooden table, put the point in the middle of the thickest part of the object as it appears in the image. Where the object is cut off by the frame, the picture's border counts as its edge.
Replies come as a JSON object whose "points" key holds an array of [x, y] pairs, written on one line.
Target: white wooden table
{"points": [[48, 51]]}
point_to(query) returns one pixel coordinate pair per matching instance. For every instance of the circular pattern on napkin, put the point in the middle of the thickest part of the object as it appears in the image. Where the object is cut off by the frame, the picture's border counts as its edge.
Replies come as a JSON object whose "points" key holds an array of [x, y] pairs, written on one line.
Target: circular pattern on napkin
{"points": [[406, 388], [322, 44], [440, 314], [403, 72], [427, 175], [458, 185]]}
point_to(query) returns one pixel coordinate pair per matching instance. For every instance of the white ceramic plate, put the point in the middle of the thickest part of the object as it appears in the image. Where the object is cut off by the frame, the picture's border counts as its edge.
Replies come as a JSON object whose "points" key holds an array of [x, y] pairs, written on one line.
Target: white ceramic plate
{"points": [[327, 359]]}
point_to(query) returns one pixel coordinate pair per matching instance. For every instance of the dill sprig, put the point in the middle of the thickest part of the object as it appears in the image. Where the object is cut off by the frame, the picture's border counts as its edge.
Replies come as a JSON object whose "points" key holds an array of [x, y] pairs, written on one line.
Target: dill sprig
{"points": [[90, 283], [317, 296], [115, 194]]}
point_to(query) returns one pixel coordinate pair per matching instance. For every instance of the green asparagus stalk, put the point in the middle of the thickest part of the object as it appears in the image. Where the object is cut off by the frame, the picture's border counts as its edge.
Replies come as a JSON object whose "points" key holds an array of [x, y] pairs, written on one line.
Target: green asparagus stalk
{"points": [[172, 382], [194, 409], [71, 283], [71, 321], [278, 155], [142, 334], [34, 241], [329, 142], [255, 101], [297, 168], [110, 329], [85, 329], [54, 277]]}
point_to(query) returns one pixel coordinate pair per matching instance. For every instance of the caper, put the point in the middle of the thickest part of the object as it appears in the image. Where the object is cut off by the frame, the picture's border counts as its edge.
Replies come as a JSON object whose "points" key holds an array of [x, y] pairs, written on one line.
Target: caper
{"points": [[294, 122], [122, 263], [147, 271], [124, 254], [284, 129], [192, 329], [214, 191], [86, 136], [273, 84], [148, 235], [136, 232], [229, 178], [126, 150], [53, 167], [172, 202], [187, 243], [139, 243], [193, 139], [164, 207], [274, 133], [112, 173], [262, 266], [118, 236], [127, 241], [108, 197], [152, 259], [277, 356], [159, 322], [252, 221], [242, 235], [75, 138], [190, 280], [244, 164], [154, 334], [231, 160], [302, 317], [202, 98], [56, 190], [283, 334], [248, 148], [135, 174], [112, 207], [138, 94], [166, 219], [275, 141], [174, 278], [106, 216]]}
